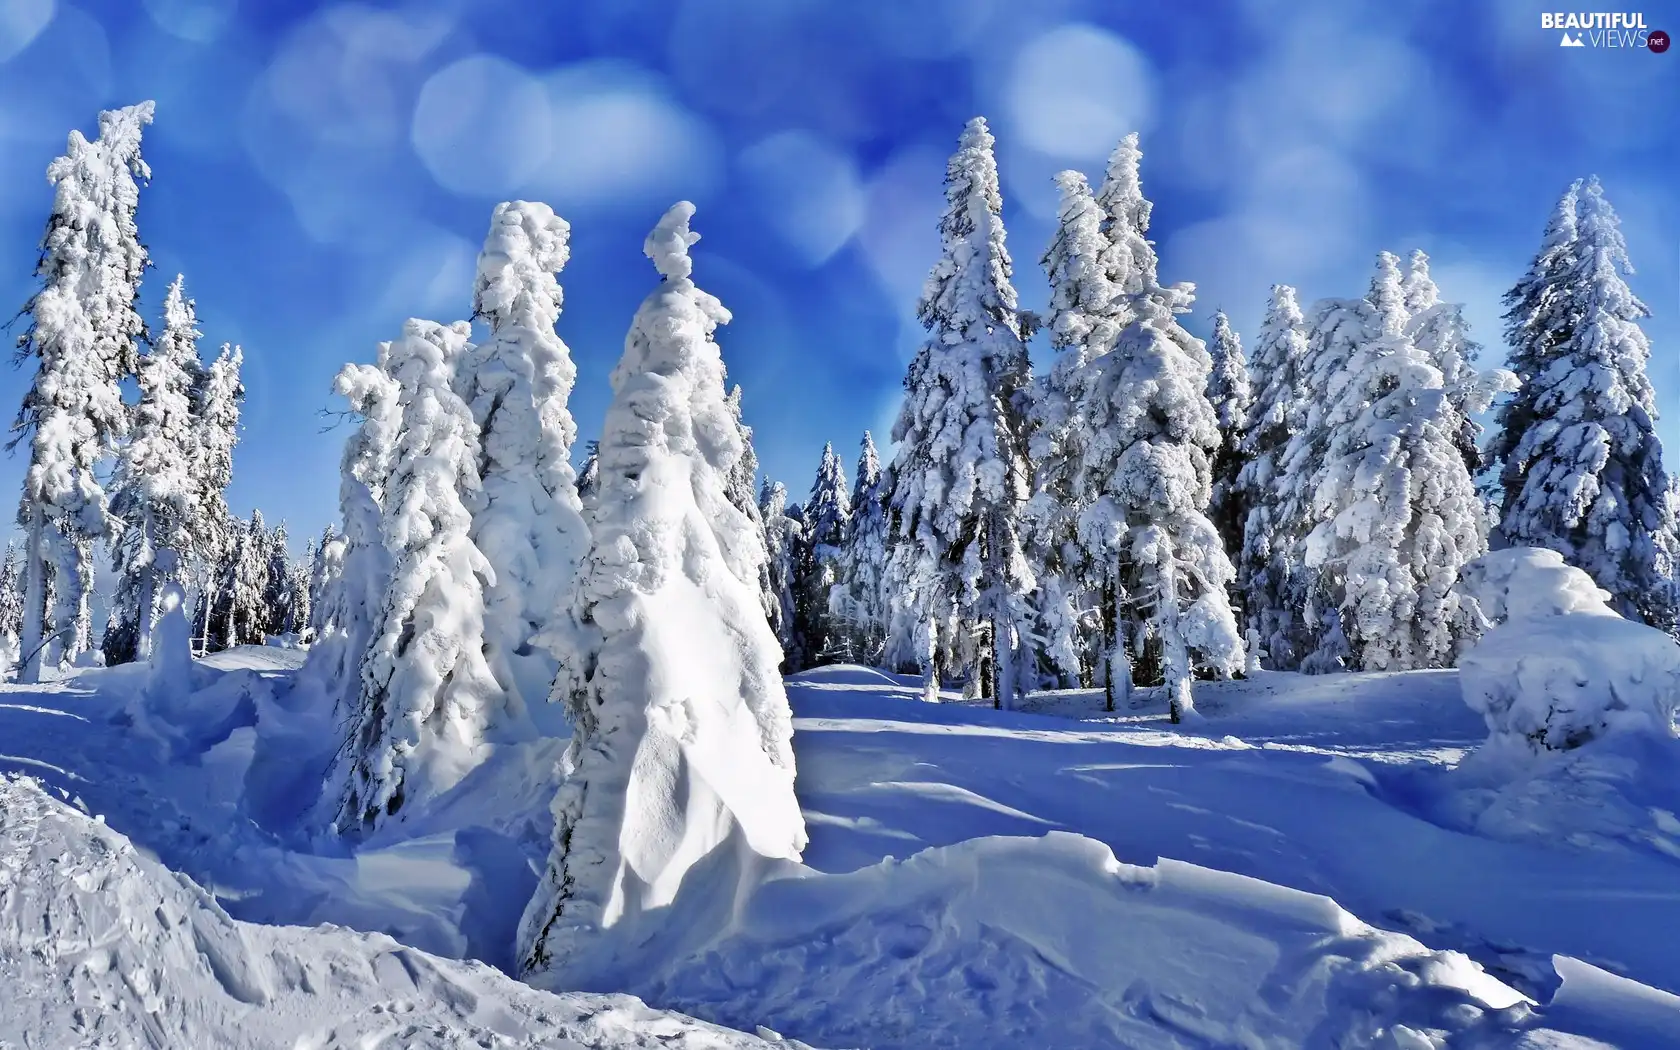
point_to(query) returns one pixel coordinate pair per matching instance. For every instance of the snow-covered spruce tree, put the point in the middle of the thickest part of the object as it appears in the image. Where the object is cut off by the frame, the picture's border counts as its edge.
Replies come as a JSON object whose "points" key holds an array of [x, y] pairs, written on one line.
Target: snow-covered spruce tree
{"points": [[857, 599], [1584, 474], [1397, 512], [828, 515], [783, 538], [277, 589], [154, 491], [529, 522], [326, 570], [348, 612], [960, 475], [83, 331], [1270, 571], [428, 700], [1439, 330], [300, 596], [237, 614], [1086, 315], [11, 598], [683, 739], [1232, 398], [1147, 468], [216, 400]]}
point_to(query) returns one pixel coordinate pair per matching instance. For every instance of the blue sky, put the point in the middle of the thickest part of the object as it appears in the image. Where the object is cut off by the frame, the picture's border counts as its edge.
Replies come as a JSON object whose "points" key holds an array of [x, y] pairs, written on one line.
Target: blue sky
{"points": [[322, 172]]}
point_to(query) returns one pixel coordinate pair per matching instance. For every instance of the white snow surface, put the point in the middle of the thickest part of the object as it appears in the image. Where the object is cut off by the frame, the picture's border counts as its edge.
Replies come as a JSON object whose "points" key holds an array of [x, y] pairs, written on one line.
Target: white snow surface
{"points": [[1049, 877]]}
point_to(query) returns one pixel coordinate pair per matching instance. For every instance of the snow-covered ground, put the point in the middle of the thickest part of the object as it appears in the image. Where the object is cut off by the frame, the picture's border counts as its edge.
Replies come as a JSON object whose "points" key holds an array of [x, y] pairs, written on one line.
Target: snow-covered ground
{"points": [[1049, 877]]}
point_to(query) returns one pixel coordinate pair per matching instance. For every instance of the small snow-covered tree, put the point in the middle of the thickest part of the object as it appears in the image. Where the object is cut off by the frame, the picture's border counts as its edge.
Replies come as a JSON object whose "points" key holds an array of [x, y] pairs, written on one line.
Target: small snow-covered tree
{"points": [[960, 475], [742, 489], [216, 399], [238, 610], [529, 520], [154, 491], [326, 570], [11, 598], [1146, 471], [1397, 512], [83, 331], [682, 747], [299, 596], [1270, 571], [857, 599], [828, 515], [349, 611], [1232, 398], [428, 699], [1439, 330], [1583, 471], [277, 594], [783, 537]]}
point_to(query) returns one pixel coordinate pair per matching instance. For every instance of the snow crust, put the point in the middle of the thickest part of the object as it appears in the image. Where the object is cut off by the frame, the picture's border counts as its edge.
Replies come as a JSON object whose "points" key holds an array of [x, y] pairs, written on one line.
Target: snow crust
{"points": [[100, 945]]}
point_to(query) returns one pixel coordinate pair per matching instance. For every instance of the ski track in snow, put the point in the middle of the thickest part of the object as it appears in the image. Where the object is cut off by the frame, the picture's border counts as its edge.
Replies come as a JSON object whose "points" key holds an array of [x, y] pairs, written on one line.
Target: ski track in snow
{"points": [[1341, 786]]}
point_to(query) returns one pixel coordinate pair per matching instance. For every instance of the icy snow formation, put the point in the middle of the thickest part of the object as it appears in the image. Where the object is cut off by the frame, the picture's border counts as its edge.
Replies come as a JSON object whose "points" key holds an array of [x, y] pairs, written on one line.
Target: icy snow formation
{"points": [[100, 945], [1563, 669]]}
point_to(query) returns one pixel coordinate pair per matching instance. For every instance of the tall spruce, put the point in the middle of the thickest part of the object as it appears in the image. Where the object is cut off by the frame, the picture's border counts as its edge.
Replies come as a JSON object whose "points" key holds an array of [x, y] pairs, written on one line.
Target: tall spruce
{"points": [[84, 329], [1582, 465], [828, 515], [857, 599], [960, 476], [1232, 398], [1270, 571], [216, 401], [784, 537], [662, 777], [528, 520], [428, 700], [155, 491]]}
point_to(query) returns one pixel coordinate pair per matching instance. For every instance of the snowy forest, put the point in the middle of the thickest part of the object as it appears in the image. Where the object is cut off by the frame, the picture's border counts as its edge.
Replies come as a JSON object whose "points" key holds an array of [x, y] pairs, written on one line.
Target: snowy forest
{"points": [[1142, 510]]}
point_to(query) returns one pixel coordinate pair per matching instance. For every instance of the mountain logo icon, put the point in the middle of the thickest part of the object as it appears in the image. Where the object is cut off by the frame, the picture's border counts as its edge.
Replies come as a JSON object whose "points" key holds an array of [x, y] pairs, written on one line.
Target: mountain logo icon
{"points": [[1571, 41]]}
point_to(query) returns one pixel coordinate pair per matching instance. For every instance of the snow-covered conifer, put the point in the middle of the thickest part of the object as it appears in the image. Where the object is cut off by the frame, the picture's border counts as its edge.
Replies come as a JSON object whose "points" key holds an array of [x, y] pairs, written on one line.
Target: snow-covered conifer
{"points": [[1439, 330], [663, 775], [277, 594], [1397, 512], [428, 700], [348, 611], [1270, 572], [589, 477], [529, 520], [11, 597], [1232, 399], [960, 476], [828, 515], [326, 569], [155, 492], [83, 331], [299, 596], [216, 402], [742, 489], [1146, 473], [858, 597], [1583, 472], [238, 611], [783, 537]]}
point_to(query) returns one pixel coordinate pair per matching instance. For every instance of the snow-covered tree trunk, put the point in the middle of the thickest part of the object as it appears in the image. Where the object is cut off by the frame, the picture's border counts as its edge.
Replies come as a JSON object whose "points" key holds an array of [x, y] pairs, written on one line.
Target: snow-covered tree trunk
{"points": [[682, 747], [428, 700], [84, 332], [529, 523], [960, 476]]}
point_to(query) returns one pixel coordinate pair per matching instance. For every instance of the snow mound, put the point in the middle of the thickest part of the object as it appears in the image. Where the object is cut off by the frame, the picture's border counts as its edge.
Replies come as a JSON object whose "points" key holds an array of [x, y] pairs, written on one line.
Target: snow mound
{"points": [[1553, 683], [1053, 942], [101, 945], [1524, 582]]}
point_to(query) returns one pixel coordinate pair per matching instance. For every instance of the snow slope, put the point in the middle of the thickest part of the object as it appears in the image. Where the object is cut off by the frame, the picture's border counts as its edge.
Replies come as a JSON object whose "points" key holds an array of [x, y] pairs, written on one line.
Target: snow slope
{"points": [[1025, 902], [100, 945]]}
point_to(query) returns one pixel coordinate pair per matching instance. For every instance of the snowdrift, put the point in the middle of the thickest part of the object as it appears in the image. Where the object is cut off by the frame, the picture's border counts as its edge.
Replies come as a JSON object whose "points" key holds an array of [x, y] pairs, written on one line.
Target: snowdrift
{"points": [[101, 945]]}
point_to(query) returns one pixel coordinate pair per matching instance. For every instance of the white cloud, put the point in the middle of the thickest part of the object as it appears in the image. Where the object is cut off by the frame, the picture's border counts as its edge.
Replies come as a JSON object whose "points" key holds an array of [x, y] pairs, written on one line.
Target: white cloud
{"points": [[1074, 90], [618, 139], [482, 126], [21, 21], [808, 191]]}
